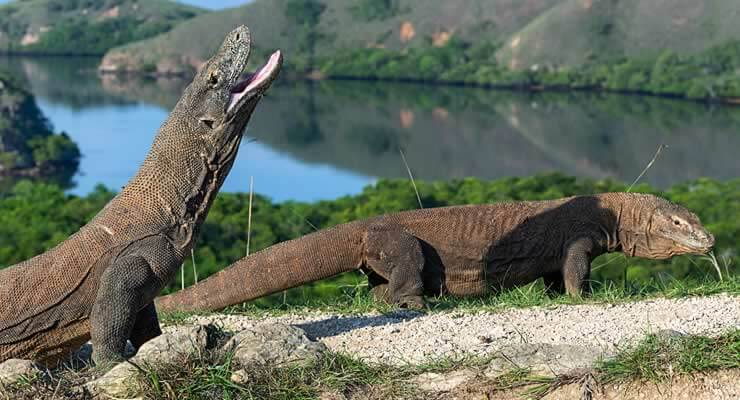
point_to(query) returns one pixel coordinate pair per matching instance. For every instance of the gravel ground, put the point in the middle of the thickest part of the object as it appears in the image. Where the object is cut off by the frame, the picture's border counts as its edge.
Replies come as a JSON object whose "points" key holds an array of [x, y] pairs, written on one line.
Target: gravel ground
{"points": [[413, 337]]}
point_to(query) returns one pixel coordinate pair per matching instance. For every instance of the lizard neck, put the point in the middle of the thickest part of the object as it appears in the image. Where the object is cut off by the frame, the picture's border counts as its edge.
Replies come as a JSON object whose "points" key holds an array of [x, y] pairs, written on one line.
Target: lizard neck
{"points": [[181, 177], [630, 225]]}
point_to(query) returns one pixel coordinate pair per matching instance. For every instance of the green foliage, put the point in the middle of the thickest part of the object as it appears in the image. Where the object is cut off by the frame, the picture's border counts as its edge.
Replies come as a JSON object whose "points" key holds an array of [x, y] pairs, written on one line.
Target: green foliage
{"points": [[69, 37], [658, 359], [306, 12], [371, 10], [85, 26], [53, 149], [708, 75], [28, 145]]}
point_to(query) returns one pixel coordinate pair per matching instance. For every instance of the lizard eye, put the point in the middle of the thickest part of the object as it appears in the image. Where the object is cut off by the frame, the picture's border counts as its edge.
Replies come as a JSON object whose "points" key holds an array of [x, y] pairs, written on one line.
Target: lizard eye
{"points": [[213, 79], [207, 122]]}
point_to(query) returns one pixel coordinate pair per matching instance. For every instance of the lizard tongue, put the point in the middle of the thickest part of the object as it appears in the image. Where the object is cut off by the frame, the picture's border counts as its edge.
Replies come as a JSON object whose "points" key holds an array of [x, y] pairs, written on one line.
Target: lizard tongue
{"points": [[254, 80]]}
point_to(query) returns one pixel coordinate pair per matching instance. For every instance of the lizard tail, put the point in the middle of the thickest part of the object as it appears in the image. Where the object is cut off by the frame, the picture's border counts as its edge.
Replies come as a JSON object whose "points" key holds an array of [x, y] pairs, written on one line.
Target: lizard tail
{"points": [[285, 265]]}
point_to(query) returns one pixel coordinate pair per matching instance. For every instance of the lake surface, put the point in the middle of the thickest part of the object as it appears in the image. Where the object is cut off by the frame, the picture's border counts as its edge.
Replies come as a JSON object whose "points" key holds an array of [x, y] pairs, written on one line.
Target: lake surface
{"points": [[311, 141]]}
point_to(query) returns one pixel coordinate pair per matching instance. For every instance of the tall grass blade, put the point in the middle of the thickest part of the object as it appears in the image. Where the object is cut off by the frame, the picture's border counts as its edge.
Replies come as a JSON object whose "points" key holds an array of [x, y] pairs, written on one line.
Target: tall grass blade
{"points": [[411, 176]]}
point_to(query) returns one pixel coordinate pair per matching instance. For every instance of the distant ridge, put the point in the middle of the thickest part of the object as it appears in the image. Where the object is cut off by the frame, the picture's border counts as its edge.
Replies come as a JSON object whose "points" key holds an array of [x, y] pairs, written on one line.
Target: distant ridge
{"points": [[84, 27]]}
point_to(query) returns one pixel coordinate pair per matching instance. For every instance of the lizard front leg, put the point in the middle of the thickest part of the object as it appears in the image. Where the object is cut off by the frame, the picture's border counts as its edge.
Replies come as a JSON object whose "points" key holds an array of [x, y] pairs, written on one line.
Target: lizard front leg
{"points": [[378, 286], [123, 306], [146, 326], [577, 266], [397, 256]]}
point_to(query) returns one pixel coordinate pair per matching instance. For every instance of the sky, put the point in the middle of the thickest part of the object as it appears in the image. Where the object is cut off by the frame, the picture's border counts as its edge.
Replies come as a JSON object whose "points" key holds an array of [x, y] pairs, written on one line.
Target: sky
{"points": [[212, 4]]}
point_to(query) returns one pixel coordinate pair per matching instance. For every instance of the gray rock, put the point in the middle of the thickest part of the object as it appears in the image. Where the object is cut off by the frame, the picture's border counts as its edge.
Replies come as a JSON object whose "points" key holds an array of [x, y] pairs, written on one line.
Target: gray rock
{"points": [[14, 369], [171, 346], [274, 344], [669, 334], [241, 377], [166, 348], [118, 383], [543, 359], [434, 382]]}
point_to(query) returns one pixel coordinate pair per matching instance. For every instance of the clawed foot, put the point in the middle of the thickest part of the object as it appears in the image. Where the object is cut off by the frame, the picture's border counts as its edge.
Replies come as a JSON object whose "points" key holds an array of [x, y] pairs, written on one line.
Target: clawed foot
{"points": [[413, 303]]}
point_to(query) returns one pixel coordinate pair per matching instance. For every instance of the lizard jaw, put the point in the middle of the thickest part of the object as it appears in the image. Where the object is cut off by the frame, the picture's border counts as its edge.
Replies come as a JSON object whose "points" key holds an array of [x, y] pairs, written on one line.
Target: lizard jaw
{"points": [[256, 81]]}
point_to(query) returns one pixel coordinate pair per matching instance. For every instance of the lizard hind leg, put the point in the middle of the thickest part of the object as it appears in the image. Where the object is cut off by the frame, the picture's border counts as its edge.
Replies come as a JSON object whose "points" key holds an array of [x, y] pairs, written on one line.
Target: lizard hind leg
{"points": [[396, 256]]}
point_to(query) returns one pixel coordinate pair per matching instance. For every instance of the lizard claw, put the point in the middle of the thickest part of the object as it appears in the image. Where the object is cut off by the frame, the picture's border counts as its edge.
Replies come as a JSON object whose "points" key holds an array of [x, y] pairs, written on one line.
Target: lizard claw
{"points": [[413, 303]]}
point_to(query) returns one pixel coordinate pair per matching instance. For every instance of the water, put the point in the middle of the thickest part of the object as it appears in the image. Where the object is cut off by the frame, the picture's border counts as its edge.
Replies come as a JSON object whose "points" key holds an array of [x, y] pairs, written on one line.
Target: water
{"points": [[328, 139]]}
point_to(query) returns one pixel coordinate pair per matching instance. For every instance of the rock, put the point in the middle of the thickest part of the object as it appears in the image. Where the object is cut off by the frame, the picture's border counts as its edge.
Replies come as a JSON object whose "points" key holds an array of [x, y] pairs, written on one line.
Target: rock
{"points": [[117, 383], [241, 377], [166, 348], [331, 395], [170, 346], [434, 382], [543, 359], [669, 334], [14, 369], [274, 344]]}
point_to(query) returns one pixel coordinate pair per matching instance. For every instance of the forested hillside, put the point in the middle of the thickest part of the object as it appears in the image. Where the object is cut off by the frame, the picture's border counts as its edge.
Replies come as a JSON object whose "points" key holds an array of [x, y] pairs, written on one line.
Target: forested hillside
{"points": [[307, 30], [675, 48], [85, 26]]}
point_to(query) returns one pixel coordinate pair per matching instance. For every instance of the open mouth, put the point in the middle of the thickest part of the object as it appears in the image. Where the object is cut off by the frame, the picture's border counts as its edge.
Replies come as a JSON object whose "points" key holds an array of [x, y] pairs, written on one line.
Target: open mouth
{"points": [[698, 248], [256, 80]]}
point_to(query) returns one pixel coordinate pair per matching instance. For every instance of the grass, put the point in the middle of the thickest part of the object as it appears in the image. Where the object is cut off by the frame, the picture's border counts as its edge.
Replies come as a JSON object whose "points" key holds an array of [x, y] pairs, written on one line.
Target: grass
{"points": [[61, 383], [211, 374], [656, 359], [357, 299]]}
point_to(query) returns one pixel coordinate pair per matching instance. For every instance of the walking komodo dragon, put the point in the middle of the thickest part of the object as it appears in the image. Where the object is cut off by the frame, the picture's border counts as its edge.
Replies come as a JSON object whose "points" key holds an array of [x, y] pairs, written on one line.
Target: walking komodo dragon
{"points": [[100, 282], [462, 250]]}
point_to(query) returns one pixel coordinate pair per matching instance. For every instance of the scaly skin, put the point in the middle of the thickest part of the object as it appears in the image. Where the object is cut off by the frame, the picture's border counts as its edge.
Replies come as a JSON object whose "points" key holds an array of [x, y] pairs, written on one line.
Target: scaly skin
{"points": [[100, 282], [461, 250]]}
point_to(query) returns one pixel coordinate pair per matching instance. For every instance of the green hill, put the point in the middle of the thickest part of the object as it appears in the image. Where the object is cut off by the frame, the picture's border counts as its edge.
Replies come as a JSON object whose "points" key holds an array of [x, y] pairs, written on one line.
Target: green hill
{"points": [[581, 31], [677, 48], [309, 29], [85, 26]]}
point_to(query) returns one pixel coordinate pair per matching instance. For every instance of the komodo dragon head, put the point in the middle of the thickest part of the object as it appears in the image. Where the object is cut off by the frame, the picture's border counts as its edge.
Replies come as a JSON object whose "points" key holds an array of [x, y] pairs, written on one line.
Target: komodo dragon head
{"points": [[217, 102], [669, 230]]}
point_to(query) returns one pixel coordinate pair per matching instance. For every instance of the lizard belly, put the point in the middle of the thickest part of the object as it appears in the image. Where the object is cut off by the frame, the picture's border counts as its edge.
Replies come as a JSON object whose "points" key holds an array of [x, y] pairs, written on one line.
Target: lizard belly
{"points": [[463, 273], [516, 272], [49, 347]]}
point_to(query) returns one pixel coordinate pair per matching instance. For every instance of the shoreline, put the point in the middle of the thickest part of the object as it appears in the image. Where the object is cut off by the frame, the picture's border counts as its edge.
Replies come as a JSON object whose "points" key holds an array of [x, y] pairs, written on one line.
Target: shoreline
{"points": [[317, 76], [314, 76]]}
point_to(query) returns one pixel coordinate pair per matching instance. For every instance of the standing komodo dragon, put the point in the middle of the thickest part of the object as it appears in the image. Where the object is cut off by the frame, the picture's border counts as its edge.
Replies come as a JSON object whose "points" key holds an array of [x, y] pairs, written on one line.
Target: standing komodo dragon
{"points": [[461, 250], [100, 282]]}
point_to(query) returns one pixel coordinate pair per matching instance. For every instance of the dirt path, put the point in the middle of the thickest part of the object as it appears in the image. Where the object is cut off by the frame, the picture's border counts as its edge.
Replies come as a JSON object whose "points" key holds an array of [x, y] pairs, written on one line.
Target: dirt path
{"points": [[583, 331]]}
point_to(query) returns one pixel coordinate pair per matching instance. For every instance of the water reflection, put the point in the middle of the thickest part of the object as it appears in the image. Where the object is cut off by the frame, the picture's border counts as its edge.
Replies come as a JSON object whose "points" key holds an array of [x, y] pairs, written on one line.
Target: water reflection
{"points": [[321, 140]]}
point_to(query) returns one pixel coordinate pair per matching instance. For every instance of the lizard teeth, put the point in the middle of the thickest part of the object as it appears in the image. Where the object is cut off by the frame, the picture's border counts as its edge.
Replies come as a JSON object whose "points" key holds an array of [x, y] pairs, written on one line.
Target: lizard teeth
{"points": [[254, 80]]}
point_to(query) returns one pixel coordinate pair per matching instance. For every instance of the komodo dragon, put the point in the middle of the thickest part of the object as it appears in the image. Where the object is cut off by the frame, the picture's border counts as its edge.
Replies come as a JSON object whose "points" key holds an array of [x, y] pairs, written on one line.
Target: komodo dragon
{"points": [[100, 282], [461, 250]]}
